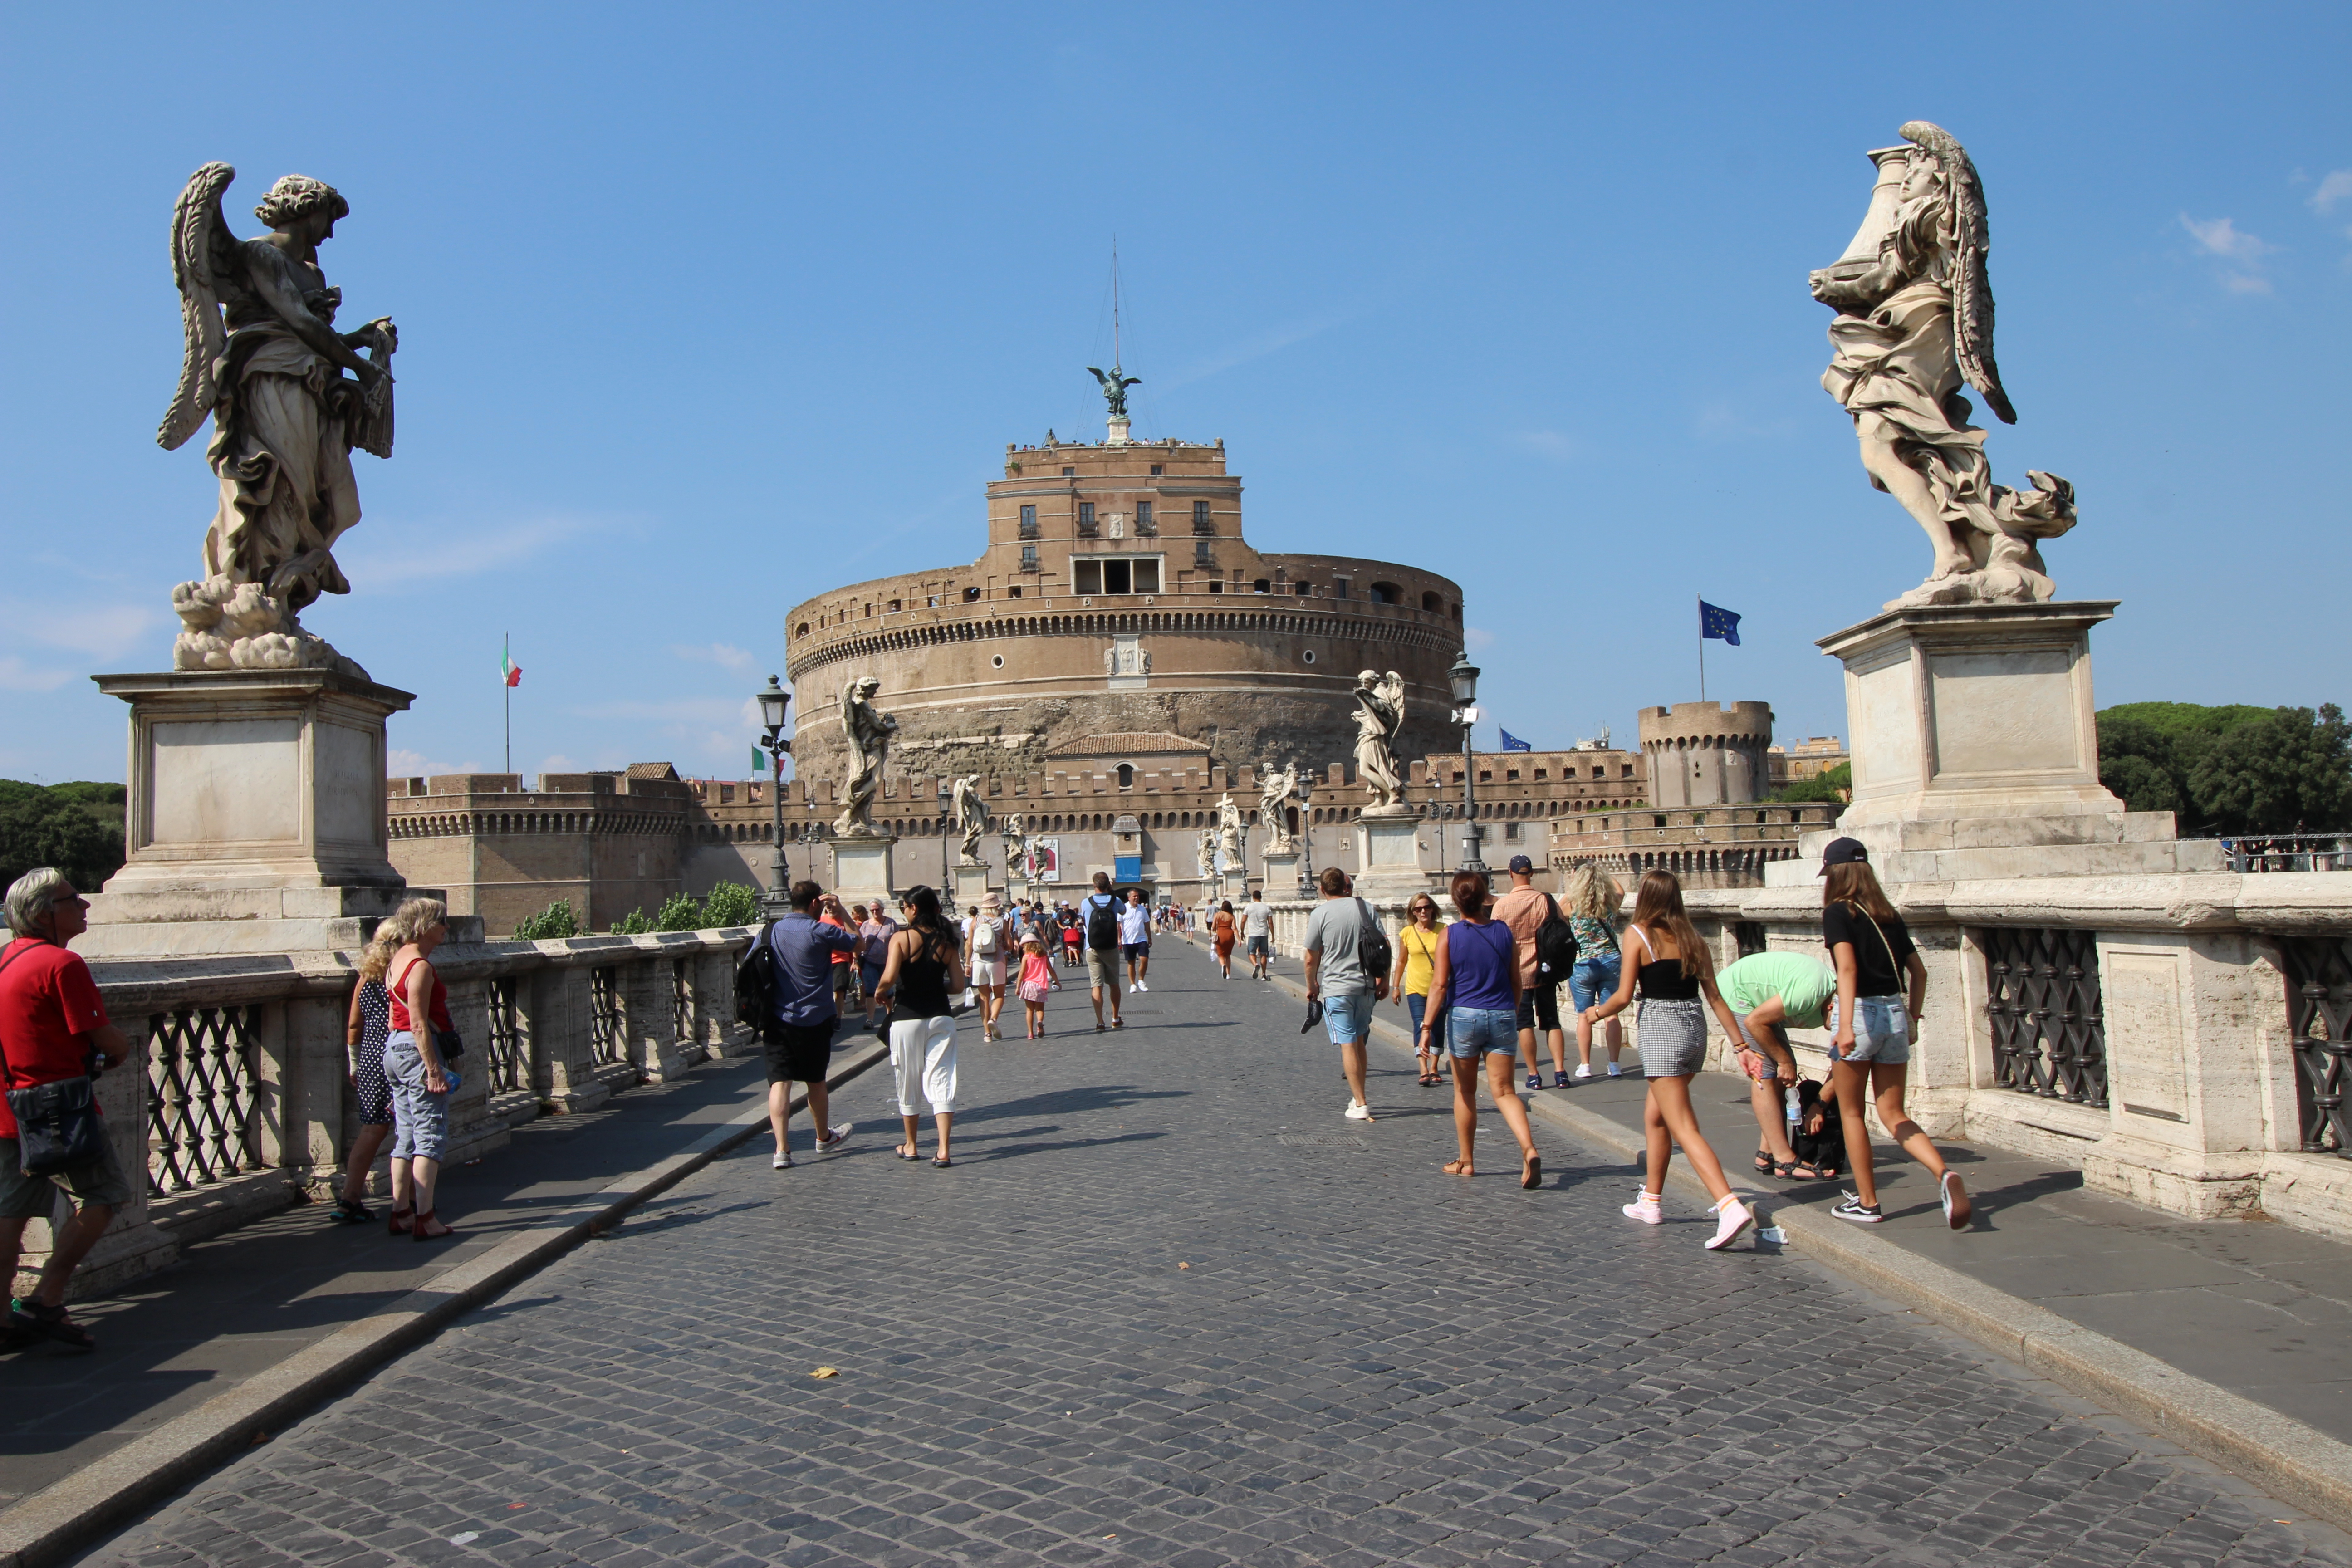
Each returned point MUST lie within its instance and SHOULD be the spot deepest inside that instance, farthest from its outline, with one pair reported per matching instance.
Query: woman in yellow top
(1416, 950)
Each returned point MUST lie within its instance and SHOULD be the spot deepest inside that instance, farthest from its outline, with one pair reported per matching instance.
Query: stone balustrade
(237, 1094)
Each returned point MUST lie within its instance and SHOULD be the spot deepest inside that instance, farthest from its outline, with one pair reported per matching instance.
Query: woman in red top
(411, 1060)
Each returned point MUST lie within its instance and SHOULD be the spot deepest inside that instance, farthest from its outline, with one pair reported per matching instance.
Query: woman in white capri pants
(923, 969)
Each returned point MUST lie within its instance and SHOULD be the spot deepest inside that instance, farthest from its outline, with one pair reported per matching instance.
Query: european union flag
(1513, 744)
(1713, 622)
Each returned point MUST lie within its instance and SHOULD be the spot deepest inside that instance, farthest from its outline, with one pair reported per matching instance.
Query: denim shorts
(1881, 1033)
(1475, 1032)
(1594, 978)
(1347, 1016)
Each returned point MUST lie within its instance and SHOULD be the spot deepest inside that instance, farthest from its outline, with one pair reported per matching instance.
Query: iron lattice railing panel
(2318, 970)
(605, 1033)
(202, 1084)
(510, 1053)
(2049, 1038)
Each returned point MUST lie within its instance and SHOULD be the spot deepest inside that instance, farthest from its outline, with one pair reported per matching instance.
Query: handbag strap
(9, 1079)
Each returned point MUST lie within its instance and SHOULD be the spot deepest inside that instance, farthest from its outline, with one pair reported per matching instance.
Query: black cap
(1521, 863)
(1843, 852)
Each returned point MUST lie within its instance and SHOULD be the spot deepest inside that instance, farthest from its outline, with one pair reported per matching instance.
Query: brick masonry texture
(1134, 1325)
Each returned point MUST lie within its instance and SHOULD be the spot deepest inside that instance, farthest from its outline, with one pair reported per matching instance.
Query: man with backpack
(794, 962)
(1537, 930)
(1346, 971)
(1099, 918)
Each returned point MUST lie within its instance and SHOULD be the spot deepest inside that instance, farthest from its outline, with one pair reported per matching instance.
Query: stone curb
(64, 1517)
(2293, 1462)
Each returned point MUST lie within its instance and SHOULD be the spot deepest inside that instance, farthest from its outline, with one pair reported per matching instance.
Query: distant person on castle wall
(1592, 902)
(1870, 1050)
(365, 1028)
(799, 1036)
(53, 1029)
(1098, 916)
(422, 1080)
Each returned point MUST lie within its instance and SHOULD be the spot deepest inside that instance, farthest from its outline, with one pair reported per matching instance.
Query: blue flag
(1718, 622)
(1513, 744)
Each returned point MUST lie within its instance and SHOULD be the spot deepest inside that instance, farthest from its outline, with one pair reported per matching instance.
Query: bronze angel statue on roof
(1915, 323)
(1115, 384)
(264, 363)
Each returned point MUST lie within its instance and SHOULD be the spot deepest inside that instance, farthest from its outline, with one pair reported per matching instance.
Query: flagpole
(1701, 651)
(506, 649)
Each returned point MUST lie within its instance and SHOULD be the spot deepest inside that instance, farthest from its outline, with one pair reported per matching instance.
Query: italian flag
(509, 672)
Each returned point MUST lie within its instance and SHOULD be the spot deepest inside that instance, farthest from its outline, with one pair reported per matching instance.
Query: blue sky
(704, 309)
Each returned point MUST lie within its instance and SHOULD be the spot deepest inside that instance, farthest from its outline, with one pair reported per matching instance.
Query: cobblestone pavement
(1168, 1307)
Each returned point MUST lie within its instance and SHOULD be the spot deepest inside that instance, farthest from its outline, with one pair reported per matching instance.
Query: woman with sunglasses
(1416, 968)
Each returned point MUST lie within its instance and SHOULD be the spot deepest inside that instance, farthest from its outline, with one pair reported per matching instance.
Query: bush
(680, 913)
(554, 922)
(634, 923)
(76, 828)
(730, 904)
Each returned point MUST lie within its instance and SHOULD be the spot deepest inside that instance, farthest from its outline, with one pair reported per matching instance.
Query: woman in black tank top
(923, 969)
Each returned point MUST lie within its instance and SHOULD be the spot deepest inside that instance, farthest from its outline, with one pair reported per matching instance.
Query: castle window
(1305, 589)
(1457, 610)
(1202, 521)
(1511, 775)
(1156, 470)
(1202, 555)
(1013, 591)
(1144, 526)
(1086, 520)
(1541, 772)
(1263, 585)
(1432, 604)
(1069, 473)
(1486, 775)
(1127, 775)
(1386, 594)
(1029, 520)
(1626, 770)
(970, 595)
(1216, 584)
(1091, 574)
(1511, 831)
(1028, 559)
(894, 606)
(1339, 587)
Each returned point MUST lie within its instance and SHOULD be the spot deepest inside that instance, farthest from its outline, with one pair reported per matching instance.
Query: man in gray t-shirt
(1334, 974)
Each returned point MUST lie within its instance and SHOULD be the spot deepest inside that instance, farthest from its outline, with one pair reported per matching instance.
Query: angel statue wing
(206, 265)
(1971, 285)
(1392, 692)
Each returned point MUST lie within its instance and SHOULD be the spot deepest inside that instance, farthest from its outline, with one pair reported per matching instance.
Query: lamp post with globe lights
(774, 703)
(1463, 677)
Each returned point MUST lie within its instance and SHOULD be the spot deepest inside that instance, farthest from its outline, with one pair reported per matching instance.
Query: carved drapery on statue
(868, 732)
(1204, 853)
(1380, 714)
(1915, 323)
(1016, 850)
(262, 361)
(1229, 829)
(1274, 795)
(972, 817)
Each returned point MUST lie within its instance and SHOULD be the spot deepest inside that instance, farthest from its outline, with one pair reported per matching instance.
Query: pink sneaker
(1645, 1207)
(1731, 1218)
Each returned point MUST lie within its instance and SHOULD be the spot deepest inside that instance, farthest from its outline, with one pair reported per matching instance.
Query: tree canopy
(1835, 786)
(76, 828)
(2231, 770)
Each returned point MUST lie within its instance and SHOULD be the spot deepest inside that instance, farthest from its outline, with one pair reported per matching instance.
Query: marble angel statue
(868, 732)
(1275, 792)
(972, 816)
(1230, 830)
(263, 360)
(1204, 853)
(1380, 714)
(1017, 849)
(1915, 323)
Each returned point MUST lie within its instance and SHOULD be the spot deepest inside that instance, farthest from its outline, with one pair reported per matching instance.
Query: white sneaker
(782, 1162)
(833, 1138)
(1645, 1207)
(1131, 988)
(1139, 985)
(1583, 1071)
(1614, 1071)
(1731, 1218)
(1360, 1111)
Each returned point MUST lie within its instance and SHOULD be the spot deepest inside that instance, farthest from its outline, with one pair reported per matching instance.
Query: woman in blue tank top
(1475, 991)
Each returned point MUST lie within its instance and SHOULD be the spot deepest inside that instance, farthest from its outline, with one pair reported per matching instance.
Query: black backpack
(1556, 946)
(1372, 948)
(755, 982)
(1102, 922)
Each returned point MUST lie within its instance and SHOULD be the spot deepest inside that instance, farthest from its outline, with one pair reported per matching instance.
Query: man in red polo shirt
(52, 1026)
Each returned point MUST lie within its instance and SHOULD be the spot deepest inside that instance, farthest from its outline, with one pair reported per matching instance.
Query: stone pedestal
(1234, 879)
(255, 820)
(861, 868)
(971, 885)
(1388, 858)
(1121, 430)
(1283, 879)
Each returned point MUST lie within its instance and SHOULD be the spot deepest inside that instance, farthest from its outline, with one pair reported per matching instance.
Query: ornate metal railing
(605, 1040)
(2290, 852)
(510, 1053)
(202, 1080)
(2048, 1036)
(2318, 970)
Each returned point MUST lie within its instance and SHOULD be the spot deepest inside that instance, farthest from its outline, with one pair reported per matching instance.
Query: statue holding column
(1915, 323)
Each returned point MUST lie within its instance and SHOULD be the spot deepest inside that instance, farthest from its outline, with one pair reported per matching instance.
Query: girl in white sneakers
(1666, 959)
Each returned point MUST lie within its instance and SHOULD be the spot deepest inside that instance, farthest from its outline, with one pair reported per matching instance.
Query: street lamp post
(1464, 677)
(774, 702)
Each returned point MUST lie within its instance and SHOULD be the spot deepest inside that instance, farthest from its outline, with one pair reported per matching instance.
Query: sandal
(1763, 1164)
(1531, 1174)
(400, 1220)
(351, 1211)
(1806, 1170)
(1786, 1169)
(907, 1152)
(942, 1162)
(430, 1218)
(1457, 1168)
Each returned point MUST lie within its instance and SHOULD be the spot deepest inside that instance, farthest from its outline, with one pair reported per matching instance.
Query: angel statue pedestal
(1388, 851)
(861, 868)
(971, 885)
(1283, 879)
(1235, 882)
(256, 818)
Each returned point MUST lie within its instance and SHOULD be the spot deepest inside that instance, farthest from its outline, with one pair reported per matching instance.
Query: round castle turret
(1703, 753)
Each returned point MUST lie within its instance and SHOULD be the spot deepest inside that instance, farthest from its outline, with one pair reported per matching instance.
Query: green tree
(1835, 786)
(76, 828)
(680, 913)
(634, 923)
(553, 923)
(2232, 769)
(731, 904)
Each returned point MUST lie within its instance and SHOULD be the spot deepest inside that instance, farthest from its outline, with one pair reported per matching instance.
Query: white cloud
(557, 762)
(2222, 236)
(96, 631)
(462, 550)
(2335, 187)
(16, 675)
(723, 654)
(1475, 640)
(401, 763)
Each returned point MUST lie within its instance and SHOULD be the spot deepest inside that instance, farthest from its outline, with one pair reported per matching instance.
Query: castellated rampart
(1116, 594)
(1704, 754)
